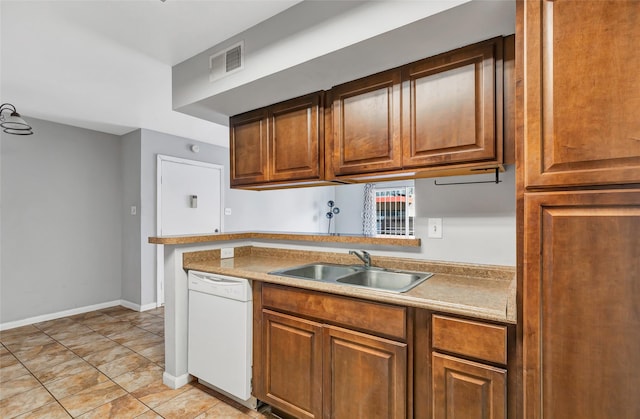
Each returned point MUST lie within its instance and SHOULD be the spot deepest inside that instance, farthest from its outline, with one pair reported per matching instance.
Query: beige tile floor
(103, 364)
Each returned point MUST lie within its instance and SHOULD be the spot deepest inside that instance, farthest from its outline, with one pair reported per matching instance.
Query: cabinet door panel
(248, 148)
(581, 92)
(366, 124)
(580, 304)
(450, 107)
(296, 128)
(365, 376)
(467, 390)
(292, 364)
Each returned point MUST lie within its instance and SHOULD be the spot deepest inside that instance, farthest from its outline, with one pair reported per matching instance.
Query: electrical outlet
(434, 226)
(226, 252)
(227, 211)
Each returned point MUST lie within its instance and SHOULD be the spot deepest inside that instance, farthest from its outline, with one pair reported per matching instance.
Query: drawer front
(381, 319)
(477, 340)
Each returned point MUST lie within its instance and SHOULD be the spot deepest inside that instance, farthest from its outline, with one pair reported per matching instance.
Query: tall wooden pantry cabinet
(579, 198)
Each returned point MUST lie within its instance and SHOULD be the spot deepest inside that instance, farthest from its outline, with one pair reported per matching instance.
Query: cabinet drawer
(381, 319)
(477, 340)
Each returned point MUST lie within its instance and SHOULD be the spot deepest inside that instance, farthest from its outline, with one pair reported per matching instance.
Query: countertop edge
(310, 237)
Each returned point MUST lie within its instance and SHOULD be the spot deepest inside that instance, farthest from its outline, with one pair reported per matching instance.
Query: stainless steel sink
(385, 280)
(359, 276)
(317, 271)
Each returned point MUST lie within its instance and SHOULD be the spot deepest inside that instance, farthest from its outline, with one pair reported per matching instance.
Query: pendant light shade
(12, 122)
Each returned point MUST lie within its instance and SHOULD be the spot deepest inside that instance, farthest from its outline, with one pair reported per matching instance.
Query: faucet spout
(365, 257)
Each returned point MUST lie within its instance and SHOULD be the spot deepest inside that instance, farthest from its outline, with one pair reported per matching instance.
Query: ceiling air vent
(226, 62)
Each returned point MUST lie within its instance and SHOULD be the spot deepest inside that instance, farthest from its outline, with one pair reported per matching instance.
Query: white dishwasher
(220, 338)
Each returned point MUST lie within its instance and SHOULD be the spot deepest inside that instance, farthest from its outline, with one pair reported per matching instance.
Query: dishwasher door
(220, 332)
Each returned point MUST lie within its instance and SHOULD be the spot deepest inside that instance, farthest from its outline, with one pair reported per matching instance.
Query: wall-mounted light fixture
(12, 122)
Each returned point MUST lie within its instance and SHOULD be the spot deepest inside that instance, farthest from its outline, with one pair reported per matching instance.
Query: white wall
(479, 220)
(61, 196)
(286, 210)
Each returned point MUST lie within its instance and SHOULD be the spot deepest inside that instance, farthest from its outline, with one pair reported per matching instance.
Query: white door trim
(160, 248)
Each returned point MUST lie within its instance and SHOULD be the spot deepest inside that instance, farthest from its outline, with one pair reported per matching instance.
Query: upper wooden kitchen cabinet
(441, 113)
(582, 94)
(279, 143)
(450, 105)
(248, 147)
(365, 123)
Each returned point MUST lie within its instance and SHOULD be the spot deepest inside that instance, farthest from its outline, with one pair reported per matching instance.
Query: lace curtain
(369, 227)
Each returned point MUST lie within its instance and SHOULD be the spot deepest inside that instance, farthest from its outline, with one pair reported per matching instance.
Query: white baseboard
(79, 310)
(59, 314)
(175, 382)
(137, 307)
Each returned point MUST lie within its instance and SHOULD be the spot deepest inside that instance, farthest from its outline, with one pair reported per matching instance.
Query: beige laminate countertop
(480, 291)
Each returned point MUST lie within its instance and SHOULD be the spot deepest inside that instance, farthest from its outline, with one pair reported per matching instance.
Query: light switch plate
(226, 252)
(434, 226)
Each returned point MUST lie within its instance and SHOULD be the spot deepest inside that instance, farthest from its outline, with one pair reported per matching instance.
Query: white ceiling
(106, 64)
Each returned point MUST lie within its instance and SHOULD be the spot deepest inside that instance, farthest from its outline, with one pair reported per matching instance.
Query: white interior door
(190, 199)
(189, 202)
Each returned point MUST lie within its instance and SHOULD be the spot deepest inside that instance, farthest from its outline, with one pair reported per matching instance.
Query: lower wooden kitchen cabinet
(321, 355)
(463, 368)
(467, 389)
(472, 388)
(292, 364)
(364, 375)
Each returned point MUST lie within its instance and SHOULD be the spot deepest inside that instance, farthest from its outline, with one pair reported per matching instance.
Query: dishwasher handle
(217, 279)
(220, 285)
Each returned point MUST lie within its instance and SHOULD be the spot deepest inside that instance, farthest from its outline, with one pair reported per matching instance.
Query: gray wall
(283, 210)
(152, 144)
(68, 239)
(131, 190)
(61, 195)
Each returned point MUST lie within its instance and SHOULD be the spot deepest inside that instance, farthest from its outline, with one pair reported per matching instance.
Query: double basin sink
(358, 276)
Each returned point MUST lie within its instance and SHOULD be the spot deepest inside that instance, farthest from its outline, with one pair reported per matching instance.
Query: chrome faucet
(364, 257)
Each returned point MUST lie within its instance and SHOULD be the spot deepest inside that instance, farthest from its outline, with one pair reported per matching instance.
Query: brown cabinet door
(292, 364)
(295, 136)
(582, 94)
(467, 390)
(364, 376)
(248, 147)
(449, 110)
(581, 304)
(366, 125)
